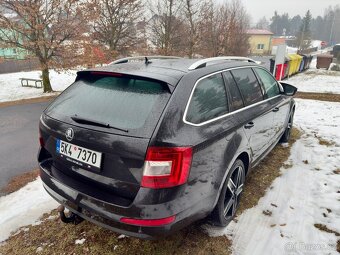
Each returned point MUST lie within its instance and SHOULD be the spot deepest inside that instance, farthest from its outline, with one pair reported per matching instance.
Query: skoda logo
(69, 134)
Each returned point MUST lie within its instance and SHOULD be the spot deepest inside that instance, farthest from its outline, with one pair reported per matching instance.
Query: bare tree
(114, 22)
(167, 27)
(236, 40)
(223, 29)
(209, 30)
(263, 23)
(192, 15)
(45, 28)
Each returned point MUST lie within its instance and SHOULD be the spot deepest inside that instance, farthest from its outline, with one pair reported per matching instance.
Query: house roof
(259, 32)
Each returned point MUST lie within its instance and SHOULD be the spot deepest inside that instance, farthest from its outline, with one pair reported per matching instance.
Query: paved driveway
(19, 139)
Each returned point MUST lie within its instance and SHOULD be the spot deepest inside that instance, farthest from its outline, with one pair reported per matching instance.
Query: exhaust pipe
(72, 218)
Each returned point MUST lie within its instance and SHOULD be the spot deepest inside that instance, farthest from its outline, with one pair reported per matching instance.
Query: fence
(12, 66)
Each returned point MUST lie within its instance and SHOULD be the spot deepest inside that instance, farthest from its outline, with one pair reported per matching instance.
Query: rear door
(279, 103)
(112, 116)
(257, 117)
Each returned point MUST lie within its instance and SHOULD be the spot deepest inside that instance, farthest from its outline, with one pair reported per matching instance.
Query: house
(260, 41)
(10, 52)
(13, 53)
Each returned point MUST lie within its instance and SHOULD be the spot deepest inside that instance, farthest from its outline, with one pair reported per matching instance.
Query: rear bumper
(108, 215)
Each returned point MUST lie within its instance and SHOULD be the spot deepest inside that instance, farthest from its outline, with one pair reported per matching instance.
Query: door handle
(276, 109)
(249, 125)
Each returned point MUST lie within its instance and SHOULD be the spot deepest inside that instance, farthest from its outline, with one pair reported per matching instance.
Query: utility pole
(302, 35)
(331, 33)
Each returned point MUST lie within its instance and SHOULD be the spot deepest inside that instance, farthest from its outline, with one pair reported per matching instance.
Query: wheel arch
(245, 158)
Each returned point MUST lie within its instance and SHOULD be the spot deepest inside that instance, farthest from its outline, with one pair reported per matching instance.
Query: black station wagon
(145, 148)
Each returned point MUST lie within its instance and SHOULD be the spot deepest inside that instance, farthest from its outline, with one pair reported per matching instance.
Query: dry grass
(28, 101)
(319, 96)
(324, 228)
(265, 173)
(326, 142)
(19, 181)
(55, 237)
(58, 238)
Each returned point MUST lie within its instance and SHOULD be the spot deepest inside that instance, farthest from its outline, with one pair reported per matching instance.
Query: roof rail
(203, 62)
(128, 59)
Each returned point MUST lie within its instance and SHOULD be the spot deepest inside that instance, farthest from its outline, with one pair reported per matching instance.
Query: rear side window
(270, 84)
(248, 85)
(235, 95)
(124, 102)
(208, 101)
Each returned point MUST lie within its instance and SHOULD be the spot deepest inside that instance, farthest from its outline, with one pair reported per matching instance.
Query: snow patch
(11, 89)
(80, 241)
(24, 207)
(319, 81)
(305, 194)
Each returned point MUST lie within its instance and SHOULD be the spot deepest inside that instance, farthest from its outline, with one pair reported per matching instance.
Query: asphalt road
(18, 139)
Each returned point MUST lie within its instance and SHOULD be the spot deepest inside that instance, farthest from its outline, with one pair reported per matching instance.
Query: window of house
(260, 46)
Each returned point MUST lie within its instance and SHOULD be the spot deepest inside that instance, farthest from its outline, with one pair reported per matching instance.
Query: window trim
(225, 91)
(228, 91)
(262, 85)
(230, 113)
(258, 82)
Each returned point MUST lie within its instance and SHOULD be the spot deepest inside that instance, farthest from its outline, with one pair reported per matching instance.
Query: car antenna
(147, 61)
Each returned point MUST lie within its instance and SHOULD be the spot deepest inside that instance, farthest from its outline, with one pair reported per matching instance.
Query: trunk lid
(131, 108)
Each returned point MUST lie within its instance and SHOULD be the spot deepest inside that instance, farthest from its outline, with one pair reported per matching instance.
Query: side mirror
(288, 89)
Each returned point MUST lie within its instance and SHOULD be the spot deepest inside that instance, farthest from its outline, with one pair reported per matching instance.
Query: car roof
(166, 70)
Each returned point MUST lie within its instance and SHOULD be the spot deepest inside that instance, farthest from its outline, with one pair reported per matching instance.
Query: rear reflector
(166, 167)
(41, 140)
(149, 223)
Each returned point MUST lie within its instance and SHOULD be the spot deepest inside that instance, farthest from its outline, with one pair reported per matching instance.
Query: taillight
(166, 167)
(148, 222)
(41, 140)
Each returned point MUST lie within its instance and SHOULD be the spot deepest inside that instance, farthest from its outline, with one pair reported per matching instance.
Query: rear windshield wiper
(87, 121)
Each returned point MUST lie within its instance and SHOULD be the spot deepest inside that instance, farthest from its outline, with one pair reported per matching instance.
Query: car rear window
(127, 103)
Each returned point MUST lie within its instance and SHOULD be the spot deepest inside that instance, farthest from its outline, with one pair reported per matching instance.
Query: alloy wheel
(233, 192)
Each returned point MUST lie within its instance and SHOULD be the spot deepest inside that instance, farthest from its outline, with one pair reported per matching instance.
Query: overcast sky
(260, 8)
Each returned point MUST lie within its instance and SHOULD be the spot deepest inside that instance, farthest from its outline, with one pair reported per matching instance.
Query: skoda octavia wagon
(145, 148)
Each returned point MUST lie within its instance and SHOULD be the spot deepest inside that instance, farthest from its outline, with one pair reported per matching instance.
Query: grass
(324, 228)
(319, 96)
(54, 237)
(19, 181)
(265, 173)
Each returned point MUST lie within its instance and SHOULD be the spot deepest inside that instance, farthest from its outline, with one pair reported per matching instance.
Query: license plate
(79, 155)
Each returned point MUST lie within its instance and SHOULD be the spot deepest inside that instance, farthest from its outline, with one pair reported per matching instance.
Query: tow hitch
(71, 218)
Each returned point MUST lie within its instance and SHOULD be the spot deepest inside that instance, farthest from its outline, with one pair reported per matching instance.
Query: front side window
(248, 85)
(208, 101)
(270, 84)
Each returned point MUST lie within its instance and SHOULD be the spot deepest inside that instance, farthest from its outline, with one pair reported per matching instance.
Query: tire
(286, 135)
(228, 201)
